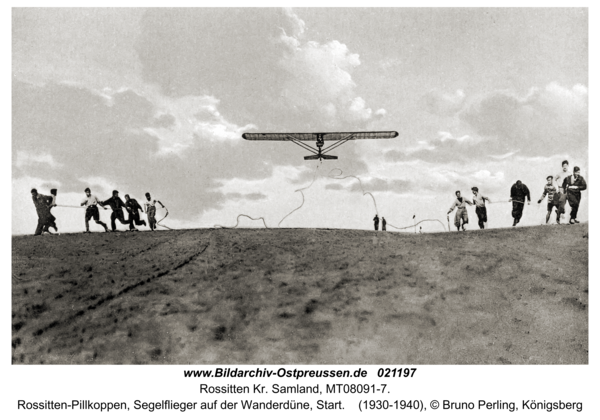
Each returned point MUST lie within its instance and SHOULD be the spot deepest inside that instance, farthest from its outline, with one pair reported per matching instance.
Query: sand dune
(305, 296)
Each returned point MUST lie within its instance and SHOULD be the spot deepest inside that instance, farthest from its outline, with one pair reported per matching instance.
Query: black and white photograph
(300, 186)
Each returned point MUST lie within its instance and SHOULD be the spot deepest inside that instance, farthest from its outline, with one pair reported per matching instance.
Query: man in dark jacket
(383, 223)
(573, 185)
(518, 193)
(376, 220)
(117, 206)
(41, 203)
(133, 207)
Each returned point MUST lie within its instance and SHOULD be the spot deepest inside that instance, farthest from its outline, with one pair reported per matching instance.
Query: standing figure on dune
(518, 193)
(376, 220)
(51, 221)
(383, 224)
(461, 211)
(573, 185)
(151, 210)
(117, 206)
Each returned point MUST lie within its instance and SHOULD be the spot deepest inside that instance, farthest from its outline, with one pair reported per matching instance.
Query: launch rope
(355, 177)
(417, 224)
(238, 222)
(164, 217)
(300, 191)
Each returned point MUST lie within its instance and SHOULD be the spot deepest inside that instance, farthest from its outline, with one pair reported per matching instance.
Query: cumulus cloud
(444, 148)
(544, 120)
(444, 104)
(320, 80)
(25, 158)
(182, 121)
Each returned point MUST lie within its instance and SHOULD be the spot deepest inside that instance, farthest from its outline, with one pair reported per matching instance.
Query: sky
(156, 100)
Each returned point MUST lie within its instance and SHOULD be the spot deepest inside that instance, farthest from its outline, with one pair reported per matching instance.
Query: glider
(320, 138)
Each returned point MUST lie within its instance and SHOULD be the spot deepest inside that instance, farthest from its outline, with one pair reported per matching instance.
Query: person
(91, 210)
(383, 223)
(553, 197)
(151, 210)
(41, 203)
(51, 220)
(134, 216)
(117, 206)
(480, 209)
(518, 193)
(461, 211)
(573, 185)
(562, 195)
(376, 220)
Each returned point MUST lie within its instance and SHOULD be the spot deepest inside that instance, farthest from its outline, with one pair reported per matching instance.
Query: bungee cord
(417, 224)
(300, 191)
(238, 222)
(359, 181)
(165, 216)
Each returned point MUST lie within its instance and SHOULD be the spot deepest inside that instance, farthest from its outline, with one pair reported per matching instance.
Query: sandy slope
(302, 296)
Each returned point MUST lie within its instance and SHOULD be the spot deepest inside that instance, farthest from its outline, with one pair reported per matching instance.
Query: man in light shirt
(550, 190)
(480, 209)
(562, 195)
(91, 210)
(461, 211)
(151, 210)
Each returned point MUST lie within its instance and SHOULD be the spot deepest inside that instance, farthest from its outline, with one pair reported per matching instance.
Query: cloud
(544, 121)
(445, 148)
(319, 83)
(444, 104)
(398, 186)
(25, 158)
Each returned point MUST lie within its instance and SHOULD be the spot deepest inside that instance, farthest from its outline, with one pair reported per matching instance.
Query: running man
(41, 203)
(461, 211)
(480, 209)
(553, 197)
(562, 194)
(573, 185)
(383, 223)
(134, 216)
(117, 206)
(376, 220)
(151, 210)
(51, 221)
(91, 204)
(518, 193)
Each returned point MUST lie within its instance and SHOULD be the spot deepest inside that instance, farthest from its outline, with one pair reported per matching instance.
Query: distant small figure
(573, 185)
(117, 206)
(151, 210)
(480, 209)
(553, 198)
(40, 202)
(518, 193)
(134, 208)
(420, 229)
(376, 220)
(461, 211)
(383, 223)
(91, 204)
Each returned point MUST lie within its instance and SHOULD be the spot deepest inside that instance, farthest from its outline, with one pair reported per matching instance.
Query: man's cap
(456, 192)
(126, 195)
(87, 190)
(474, 189)
(147, 193)
(576, 169)
(53, 191)
(549, 177)
(565, 161)
(115, 192)
(33, 190)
